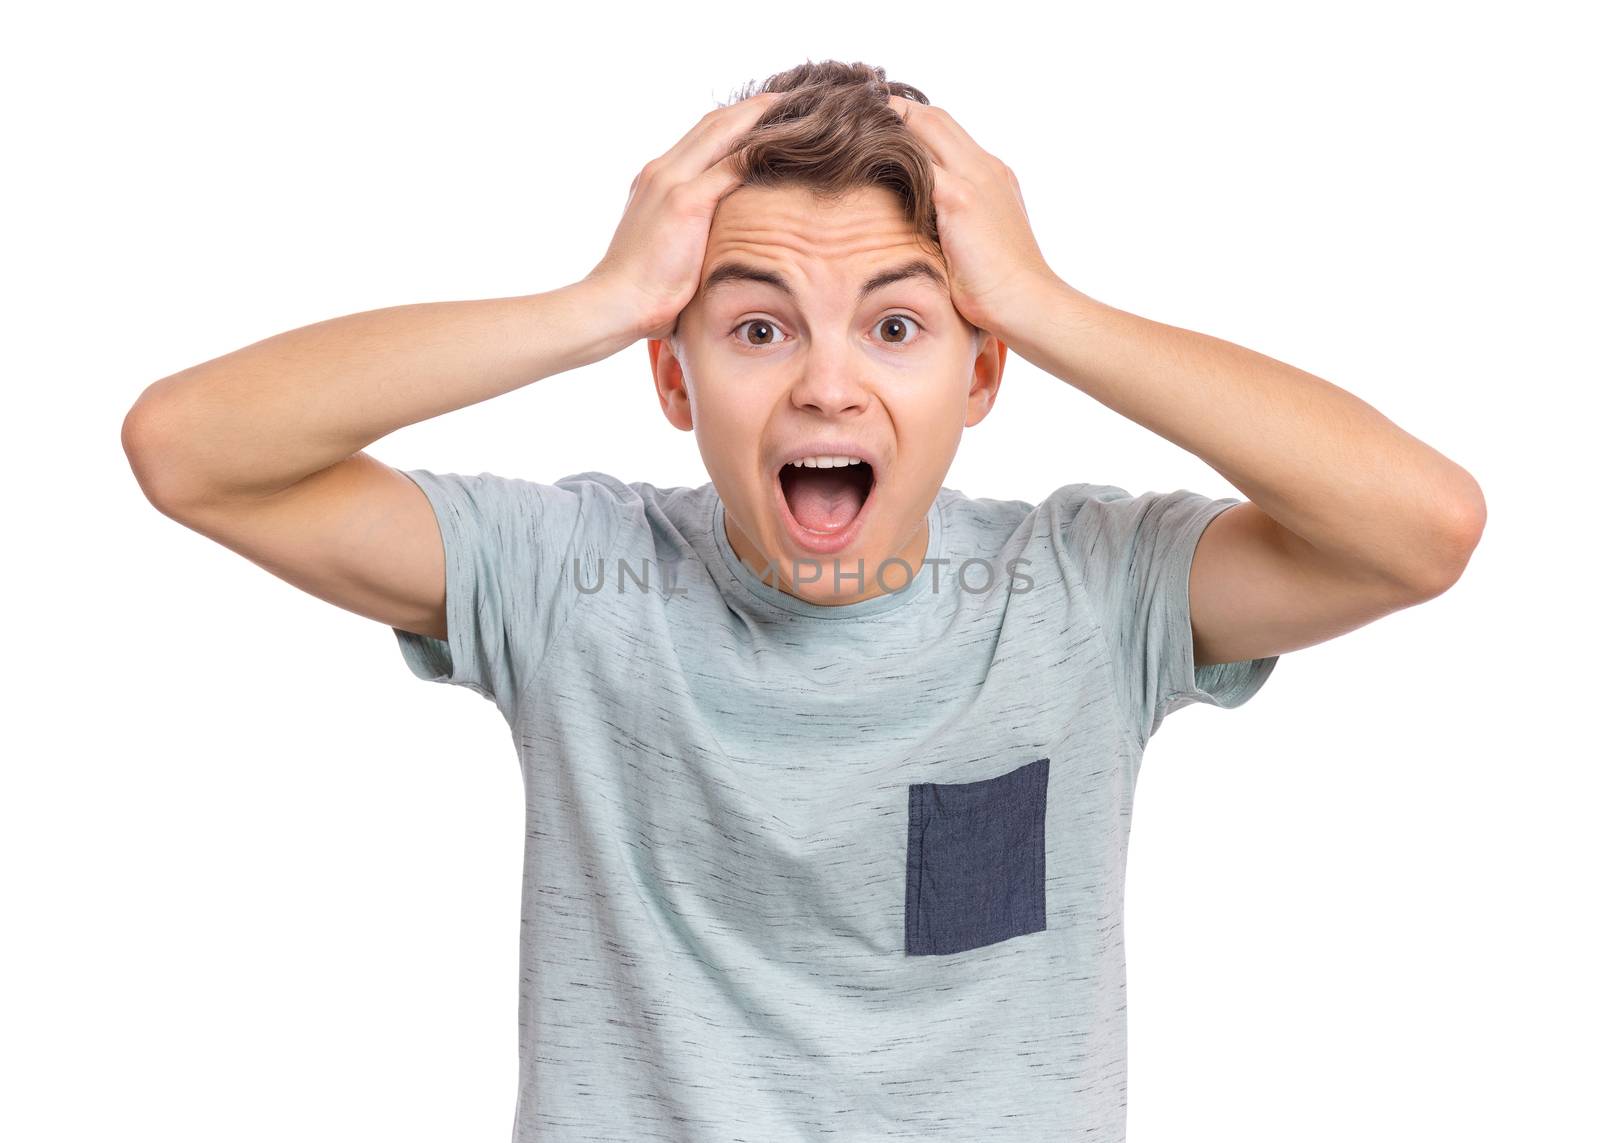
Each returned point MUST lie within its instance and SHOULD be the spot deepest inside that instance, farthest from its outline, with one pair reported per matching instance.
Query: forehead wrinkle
(777, 243)
(916, 269)
(786, 239)
(785, 231)
(789, 214)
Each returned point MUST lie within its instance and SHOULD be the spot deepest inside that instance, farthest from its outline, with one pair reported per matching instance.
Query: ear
(987, 368)
(671, 384)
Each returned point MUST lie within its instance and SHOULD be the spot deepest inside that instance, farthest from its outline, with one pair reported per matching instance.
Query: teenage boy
(829, 768)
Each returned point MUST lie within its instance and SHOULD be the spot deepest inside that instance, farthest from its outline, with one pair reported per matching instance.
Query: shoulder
(612, 488)
(1085, 513)
(636, 516)
(639, 500)
(1055, 514)
(1082, 501)
(588, 509)
(991, 517)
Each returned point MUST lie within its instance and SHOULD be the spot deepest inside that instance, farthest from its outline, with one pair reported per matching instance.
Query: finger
(942, 181)
(929, 131)
(942, 120)
(717, 181)
(1016, 186)
(945, 138)
(708, 140)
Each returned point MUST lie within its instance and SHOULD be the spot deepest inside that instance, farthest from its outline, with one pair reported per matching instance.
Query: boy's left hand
(993, 258)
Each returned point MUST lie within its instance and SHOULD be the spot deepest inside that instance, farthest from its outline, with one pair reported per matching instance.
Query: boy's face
(761, 376)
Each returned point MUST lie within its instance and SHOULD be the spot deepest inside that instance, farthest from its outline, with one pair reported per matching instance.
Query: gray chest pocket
(975, 860)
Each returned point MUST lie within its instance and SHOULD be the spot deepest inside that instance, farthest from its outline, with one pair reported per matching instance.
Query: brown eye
(762, 339)
(895, 326)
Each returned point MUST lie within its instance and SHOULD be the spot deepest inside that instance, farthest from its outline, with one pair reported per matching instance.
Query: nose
(829, 387)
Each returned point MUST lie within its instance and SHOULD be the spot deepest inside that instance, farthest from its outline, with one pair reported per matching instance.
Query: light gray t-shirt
(798, 872)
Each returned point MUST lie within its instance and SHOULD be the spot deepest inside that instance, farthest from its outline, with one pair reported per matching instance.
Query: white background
(260, 883)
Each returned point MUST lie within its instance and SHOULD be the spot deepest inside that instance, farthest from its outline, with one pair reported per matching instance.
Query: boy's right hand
(654, 261)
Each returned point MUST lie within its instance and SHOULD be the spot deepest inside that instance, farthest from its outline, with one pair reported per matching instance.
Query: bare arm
(257, 420)
(260, 449)
(1349, 517)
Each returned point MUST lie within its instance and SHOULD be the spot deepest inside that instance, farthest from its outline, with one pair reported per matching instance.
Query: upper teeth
(825, 461)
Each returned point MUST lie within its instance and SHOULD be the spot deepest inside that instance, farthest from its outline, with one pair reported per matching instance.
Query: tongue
(825, 499)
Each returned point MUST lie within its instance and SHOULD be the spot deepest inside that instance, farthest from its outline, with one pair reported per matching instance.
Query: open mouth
(826, 500)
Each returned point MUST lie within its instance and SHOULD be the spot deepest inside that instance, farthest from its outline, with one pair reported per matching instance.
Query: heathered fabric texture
(797, 872)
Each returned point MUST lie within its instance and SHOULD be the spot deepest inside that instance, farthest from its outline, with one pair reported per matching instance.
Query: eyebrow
(743, 272)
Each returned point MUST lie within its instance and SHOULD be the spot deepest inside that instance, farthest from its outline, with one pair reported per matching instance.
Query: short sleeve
(509, 546)
(1134, 554)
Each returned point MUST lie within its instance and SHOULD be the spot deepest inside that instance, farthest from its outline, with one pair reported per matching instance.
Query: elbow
(146, 442)
(1459, 529)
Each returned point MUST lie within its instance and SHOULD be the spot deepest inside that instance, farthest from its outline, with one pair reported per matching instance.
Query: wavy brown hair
(834, 132)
